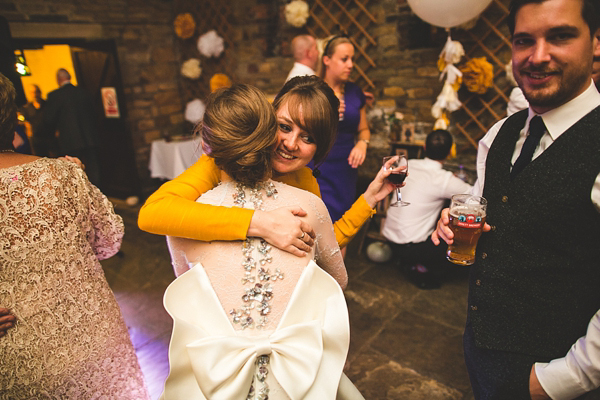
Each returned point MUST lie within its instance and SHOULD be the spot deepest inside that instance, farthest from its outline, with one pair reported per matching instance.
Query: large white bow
(224, 365)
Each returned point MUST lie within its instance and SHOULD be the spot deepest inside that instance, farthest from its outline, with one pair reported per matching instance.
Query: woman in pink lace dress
(69, 340)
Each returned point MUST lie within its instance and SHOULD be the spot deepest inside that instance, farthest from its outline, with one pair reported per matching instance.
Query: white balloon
(448, 13)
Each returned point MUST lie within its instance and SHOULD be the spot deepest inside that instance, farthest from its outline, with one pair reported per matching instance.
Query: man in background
(69, 110)
(306, 55)
(44, 143)
(428, 187)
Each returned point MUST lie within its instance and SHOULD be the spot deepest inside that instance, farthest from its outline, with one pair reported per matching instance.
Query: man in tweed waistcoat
(533, 325)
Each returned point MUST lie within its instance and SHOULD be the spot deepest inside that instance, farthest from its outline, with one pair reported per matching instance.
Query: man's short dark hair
(438, 144)
(589, 12)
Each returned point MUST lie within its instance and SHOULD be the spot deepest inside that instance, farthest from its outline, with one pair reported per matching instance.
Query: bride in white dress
(252, 321)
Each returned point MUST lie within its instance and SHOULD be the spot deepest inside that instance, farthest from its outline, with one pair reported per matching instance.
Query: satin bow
(224, 365)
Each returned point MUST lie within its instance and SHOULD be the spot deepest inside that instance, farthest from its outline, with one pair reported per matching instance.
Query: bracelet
(365, 140)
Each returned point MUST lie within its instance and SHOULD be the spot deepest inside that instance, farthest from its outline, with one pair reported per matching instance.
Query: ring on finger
(302, 237)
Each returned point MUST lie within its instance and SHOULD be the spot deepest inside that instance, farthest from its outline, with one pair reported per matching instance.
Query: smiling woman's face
(295, 147)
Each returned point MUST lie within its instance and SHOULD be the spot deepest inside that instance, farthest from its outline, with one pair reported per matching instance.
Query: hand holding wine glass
(398, 164)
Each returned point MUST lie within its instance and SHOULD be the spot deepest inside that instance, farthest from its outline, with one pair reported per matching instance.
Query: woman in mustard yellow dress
(173, 210)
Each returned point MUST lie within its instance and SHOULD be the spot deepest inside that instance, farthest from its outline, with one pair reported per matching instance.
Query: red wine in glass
(399, 166)
(397, 178)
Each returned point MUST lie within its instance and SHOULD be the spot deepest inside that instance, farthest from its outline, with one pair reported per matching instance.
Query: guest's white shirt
(299, 70)
(579, 371)
(428, 186)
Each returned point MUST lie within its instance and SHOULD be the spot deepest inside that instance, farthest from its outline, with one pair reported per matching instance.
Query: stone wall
(406, 77)
(150, 55)
(147, 55)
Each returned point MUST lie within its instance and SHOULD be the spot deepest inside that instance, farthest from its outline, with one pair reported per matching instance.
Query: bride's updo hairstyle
(313, 106)
(240, 130)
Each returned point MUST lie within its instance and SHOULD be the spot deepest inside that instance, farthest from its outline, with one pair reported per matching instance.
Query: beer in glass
(467, 216)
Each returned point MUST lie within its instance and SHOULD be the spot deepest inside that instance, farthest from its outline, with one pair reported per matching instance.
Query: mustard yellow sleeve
(301, 179)
(352, 220)
(172, 209)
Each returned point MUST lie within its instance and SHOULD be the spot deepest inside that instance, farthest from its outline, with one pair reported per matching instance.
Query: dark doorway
(96, 67)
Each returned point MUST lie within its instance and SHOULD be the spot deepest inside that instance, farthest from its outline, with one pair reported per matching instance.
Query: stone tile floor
(406, 343)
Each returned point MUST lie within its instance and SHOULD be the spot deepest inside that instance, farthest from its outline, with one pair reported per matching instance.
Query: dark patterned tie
(536, 131)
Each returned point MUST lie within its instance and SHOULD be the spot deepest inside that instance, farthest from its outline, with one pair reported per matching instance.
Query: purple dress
(338, 179)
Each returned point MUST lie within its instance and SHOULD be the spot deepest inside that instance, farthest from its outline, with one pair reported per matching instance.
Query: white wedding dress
(241, 332)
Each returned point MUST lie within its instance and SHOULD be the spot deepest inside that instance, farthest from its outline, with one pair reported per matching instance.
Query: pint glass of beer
(467, 216)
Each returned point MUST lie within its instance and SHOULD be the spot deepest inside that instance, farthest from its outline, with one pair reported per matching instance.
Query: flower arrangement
(211, 44)
(478, 75)
(191, 68)
(296, 13)
(194, 111)
(184, 25)
(219, 81)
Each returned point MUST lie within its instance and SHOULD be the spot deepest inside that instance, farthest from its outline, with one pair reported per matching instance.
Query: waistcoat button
(505, 199)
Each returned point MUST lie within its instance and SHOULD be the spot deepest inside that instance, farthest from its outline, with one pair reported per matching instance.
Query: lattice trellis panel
(354, 18)
(221, 14)
(489, 38)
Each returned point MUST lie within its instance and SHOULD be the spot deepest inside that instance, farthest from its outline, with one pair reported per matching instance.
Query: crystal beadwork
(259, 295)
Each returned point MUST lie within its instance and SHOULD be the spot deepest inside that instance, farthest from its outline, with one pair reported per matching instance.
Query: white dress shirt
(579, 371)
(428, 186)
(299, 70)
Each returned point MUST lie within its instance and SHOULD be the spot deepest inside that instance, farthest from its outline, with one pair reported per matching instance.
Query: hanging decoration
(211, 44)
(509, 73)
(184, 25)
(448, 101)
(478, 75)
(296, 13)
(448, 13)
(516, 100)
(191, 68)
(219, 81)
(194, 111)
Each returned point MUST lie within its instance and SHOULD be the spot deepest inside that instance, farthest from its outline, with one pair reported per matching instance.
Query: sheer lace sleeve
(327, 250)
(106, 229)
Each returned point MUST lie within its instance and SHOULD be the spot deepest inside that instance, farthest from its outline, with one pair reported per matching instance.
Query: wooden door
(96, 68)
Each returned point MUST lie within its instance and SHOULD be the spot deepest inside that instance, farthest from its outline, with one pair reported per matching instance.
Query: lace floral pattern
(70, 340)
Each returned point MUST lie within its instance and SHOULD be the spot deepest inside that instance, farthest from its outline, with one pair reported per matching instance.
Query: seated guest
(428, 187)
(66, 338)
(251, 319)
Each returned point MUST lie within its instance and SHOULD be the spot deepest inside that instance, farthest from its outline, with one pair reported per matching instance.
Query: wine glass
(399, 167)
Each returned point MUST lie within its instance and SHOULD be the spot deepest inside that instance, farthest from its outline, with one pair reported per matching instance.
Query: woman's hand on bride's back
(283, 229)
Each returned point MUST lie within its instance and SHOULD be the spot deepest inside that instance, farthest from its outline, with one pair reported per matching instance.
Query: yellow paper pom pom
(184, 25)
(457, 83)
(441, 64)
(218, 81)
(478, 75)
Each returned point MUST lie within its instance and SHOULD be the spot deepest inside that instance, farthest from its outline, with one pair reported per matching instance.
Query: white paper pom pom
(296, 13)
(210, 44)
(194, 111)
(191, 68)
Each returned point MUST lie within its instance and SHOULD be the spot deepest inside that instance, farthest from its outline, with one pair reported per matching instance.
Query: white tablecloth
(169, 159)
